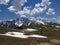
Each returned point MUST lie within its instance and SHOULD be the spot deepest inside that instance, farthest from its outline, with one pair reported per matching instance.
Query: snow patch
(21, 35)
(57, 26)
(40, 22)
(30, 30)
(15, 34)
(19, 23)
(37, 36)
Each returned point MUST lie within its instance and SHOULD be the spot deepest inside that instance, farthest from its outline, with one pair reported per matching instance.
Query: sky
(45, 9)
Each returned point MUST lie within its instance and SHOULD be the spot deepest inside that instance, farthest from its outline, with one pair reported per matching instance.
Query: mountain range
(23, 22)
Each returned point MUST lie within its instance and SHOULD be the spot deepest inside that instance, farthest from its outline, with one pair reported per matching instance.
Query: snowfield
(37, 36)
(21, 35)
(30, 30)
(15, 34)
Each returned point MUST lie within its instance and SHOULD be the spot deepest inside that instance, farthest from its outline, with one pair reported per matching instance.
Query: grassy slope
(48, 31)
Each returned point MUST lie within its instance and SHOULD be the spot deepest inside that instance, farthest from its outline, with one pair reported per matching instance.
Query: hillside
(51, 32)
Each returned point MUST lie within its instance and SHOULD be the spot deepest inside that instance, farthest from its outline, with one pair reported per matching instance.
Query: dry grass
(53, 37)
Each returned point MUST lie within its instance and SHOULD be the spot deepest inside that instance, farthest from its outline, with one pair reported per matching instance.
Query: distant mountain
(18, 24)
(21, 22)
(8, 23)
(53, 23)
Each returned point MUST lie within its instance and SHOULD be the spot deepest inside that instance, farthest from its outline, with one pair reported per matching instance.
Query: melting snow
(30, 30)
(38, 36)
(57, 26)
(15, 34)
(21, 35)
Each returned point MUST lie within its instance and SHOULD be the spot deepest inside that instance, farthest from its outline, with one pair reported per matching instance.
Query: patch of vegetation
(3, 30)
(4, 40)
(47, 30)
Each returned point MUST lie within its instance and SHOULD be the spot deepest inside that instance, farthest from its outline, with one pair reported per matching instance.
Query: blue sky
(12, 9)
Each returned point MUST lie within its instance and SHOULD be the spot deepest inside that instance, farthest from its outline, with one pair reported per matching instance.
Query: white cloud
(18, 3)
(12, 8)
(30, 12)
(50, 11)
(32, 18)
(55, 20)
(41, 18)
(4, 2)
(39, 7)
(24, 11)
(23, 16)
(58, 20)
(45, 2)
(37, 10)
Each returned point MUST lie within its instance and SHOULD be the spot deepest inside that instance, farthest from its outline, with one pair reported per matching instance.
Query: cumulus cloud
(31, 12)
(58, 20)
(12, 8)
(24, 11)
(32, 18)
(55, 20)
(23, 16)
(18, 3)
(41, 18)
(45, 2)
(38, 10)
(39, 7)
(5, 2)
(50, 11)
